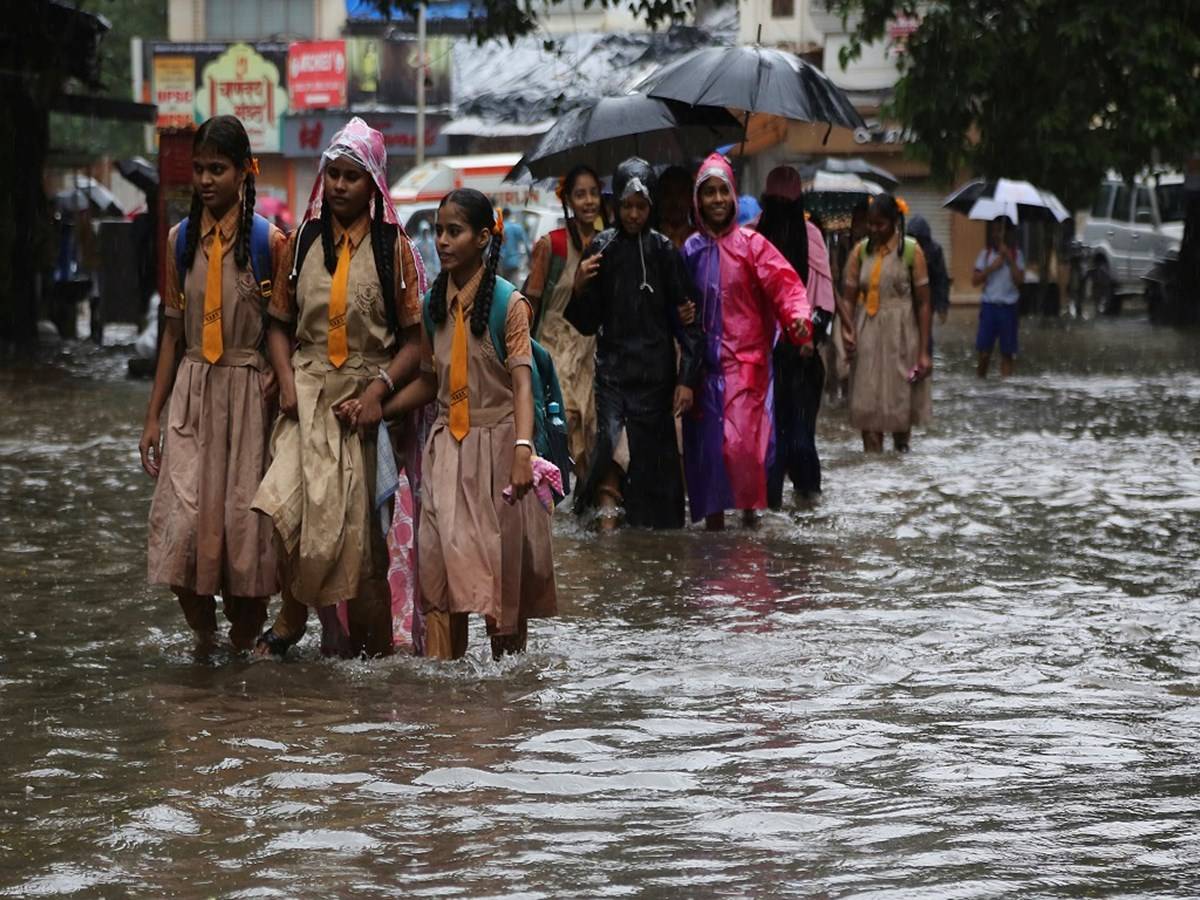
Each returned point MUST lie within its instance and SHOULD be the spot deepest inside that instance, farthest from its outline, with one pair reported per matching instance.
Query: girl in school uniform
(204, 537)
(479, 552)
(350, 308)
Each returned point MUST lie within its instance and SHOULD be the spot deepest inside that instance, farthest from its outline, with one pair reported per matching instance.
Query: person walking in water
(204, 537)
(1000, 269)
(799, 373)
(551, 279)
(484, 536)
(885, 317)
(344, 331)
(745, 288)
(630, 290)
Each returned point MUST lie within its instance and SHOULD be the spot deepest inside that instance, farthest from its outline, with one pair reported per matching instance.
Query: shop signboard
(175, 91)
(384, 71)
(317, 75)
(309, 135)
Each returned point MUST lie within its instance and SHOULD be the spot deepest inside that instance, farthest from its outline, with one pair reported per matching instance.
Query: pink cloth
(362, 144)
(402, 563)
(547, 481)
(747, 288)
(819, 286)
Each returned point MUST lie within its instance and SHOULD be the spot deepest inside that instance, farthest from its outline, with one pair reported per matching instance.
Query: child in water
(351, 305)
(204, 537)
(478, 551)
(630, 290)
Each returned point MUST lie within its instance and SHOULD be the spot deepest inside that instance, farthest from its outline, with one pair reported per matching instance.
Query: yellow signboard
(240, 82)
(175, 91)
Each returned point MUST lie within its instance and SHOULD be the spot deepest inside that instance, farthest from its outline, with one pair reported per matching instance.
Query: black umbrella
(138, 172)
(608, 131)
(87, 193)
(754, 80)
(854, 166)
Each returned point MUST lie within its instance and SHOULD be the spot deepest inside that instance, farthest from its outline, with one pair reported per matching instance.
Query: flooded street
(968, 672)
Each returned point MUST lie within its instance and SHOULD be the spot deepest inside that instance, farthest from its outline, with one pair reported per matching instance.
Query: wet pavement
(967, 672)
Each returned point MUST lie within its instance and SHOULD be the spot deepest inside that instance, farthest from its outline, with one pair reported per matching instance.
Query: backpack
(260, 253)
(558, 261)
(549, 427)
(910, 258)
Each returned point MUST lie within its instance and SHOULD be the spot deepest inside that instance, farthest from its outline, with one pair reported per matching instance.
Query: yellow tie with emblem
(460, 407)
(339, 348)
(212, 344)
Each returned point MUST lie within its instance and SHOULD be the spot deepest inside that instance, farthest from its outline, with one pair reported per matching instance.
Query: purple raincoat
(747, 289)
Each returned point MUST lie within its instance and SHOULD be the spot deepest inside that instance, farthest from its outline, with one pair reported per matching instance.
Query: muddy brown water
(968, 672)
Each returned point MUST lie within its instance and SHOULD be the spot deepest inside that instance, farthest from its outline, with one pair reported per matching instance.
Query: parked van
(1129, 228)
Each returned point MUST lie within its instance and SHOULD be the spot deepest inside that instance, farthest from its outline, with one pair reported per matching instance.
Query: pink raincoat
(746, 289)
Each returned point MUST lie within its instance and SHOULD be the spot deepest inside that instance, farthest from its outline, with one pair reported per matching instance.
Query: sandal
(274, 644)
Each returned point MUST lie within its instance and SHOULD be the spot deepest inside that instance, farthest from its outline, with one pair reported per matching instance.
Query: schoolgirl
(479, 551)
(204, 537)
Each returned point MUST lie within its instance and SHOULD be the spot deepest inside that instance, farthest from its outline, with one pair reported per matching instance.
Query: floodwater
(968, 672)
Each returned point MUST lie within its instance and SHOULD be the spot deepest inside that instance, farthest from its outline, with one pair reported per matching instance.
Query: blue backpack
(260, 254)
(549, 428)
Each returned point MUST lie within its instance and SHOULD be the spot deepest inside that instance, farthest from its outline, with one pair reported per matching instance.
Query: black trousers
(799, 381)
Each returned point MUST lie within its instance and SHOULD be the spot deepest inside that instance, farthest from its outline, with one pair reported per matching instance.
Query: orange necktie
(212, 345)
(873, 286)
(339, 349)
(460, 407)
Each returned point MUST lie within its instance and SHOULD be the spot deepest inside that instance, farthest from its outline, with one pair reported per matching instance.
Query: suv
(1129, 228)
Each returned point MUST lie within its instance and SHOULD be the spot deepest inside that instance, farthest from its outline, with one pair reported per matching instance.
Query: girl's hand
(683, 399)
(345, 411)
(924, 366)
(588, 269)
(287, 398)
(800, 332)
(687, 312)
(521, 477)
(368, 414)
(270, 385)
(150, 447)
(848, 340)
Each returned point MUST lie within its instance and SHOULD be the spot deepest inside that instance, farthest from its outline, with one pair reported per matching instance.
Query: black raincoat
(632, 305)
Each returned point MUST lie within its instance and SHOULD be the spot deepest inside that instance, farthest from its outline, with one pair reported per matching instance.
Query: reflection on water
(967, 672)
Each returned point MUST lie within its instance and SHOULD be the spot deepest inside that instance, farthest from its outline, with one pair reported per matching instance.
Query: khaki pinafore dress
(477, 552)
(319, 490)
(888, 345)
(204, 536)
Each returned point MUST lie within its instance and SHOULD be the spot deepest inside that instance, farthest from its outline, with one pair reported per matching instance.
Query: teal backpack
(549, 427)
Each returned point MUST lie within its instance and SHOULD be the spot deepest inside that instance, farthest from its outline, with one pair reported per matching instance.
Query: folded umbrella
(608, 131)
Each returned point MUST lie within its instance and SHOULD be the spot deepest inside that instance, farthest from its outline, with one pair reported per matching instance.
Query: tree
(1052, 91)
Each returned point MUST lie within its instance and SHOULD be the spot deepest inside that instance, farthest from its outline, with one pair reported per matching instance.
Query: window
(259, 20)
(783, 9)
(1120, 212)
(1171, 202)
(1103, 203)
(1143, 210)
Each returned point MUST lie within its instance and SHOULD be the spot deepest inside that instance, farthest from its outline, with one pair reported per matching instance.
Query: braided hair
(568, 186)
(479, 214)
(885, 205)
(385, 262)
(327, 238)
(224, 135)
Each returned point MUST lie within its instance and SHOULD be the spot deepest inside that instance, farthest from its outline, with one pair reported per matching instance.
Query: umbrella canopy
(608, 131)
(1019, 201)
(831, 198)
(87, 193)
(857, 166)
(754, 80)
(832, 183)
(140, 173)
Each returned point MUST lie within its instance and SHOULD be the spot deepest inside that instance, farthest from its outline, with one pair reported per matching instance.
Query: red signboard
(317, 75)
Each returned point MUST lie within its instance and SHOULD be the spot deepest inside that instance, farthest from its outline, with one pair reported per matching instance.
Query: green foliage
(1053, 91)
(84, 137)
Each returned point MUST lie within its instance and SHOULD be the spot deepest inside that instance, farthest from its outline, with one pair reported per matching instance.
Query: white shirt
(999, 286)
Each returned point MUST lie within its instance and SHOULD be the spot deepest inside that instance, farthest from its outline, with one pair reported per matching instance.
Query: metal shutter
(925, 199)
